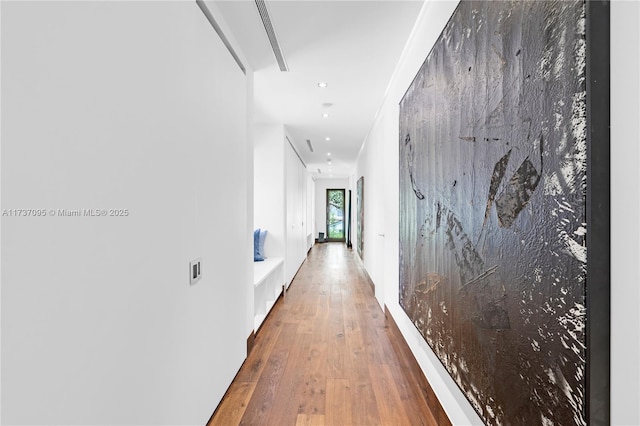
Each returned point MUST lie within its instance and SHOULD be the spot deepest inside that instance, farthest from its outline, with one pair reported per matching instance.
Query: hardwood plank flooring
(327, 355)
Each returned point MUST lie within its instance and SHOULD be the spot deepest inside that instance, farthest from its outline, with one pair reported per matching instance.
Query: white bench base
(268, 283)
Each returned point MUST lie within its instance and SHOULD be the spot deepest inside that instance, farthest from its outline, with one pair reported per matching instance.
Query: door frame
(344, 225)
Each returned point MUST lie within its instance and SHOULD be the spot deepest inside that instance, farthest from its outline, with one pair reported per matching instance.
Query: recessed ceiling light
(325, 115)
(322, 84)
(328, 153)
(327, 138)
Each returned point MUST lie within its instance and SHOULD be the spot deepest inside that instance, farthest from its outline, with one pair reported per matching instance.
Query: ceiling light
(322, 84)
(327, 139)
(325, 115)
(328, 153)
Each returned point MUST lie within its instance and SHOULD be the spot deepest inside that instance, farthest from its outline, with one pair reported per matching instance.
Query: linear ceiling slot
(295, 151)
(271, 34)
(309, 145)
(225, 40)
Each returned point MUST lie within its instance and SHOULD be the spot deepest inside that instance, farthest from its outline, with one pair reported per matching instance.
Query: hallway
(326, 355)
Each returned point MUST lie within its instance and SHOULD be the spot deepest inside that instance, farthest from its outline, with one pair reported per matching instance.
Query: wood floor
(326, 355)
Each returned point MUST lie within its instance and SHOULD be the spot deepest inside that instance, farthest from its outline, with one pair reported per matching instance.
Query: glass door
(335, 215)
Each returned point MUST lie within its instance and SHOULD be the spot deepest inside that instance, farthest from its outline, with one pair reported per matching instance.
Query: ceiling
(353, 46)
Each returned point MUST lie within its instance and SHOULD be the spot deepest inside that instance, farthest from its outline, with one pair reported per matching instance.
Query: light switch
(195, 270)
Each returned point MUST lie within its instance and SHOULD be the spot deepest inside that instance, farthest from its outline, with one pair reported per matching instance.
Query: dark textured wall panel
(493, 157)
(360, 216)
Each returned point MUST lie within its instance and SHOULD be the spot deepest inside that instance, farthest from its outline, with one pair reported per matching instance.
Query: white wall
(321, 186)
(280, 186)
(134, 106)
(625, 213)
(296, 190)
(269, 183)
(379, 212)
(378, 162)
(311, 213)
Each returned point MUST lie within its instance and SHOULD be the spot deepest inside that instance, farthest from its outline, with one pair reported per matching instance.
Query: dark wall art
(494, 147)
(360, 215)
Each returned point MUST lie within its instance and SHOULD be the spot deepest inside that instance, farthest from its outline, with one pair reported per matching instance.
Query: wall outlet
(195, 270)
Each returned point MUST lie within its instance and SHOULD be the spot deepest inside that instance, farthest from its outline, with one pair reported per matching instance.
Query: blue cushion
(256, 245)
(263, 236)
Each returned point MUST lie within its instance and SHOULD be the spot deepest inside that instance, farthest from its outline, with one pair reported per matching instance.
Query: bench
(268, 282)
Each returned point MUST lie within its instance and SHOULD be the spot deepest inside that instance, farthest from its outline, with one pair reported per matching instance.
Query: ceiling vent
(319, 171)
(309, 145)
(271, 34)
